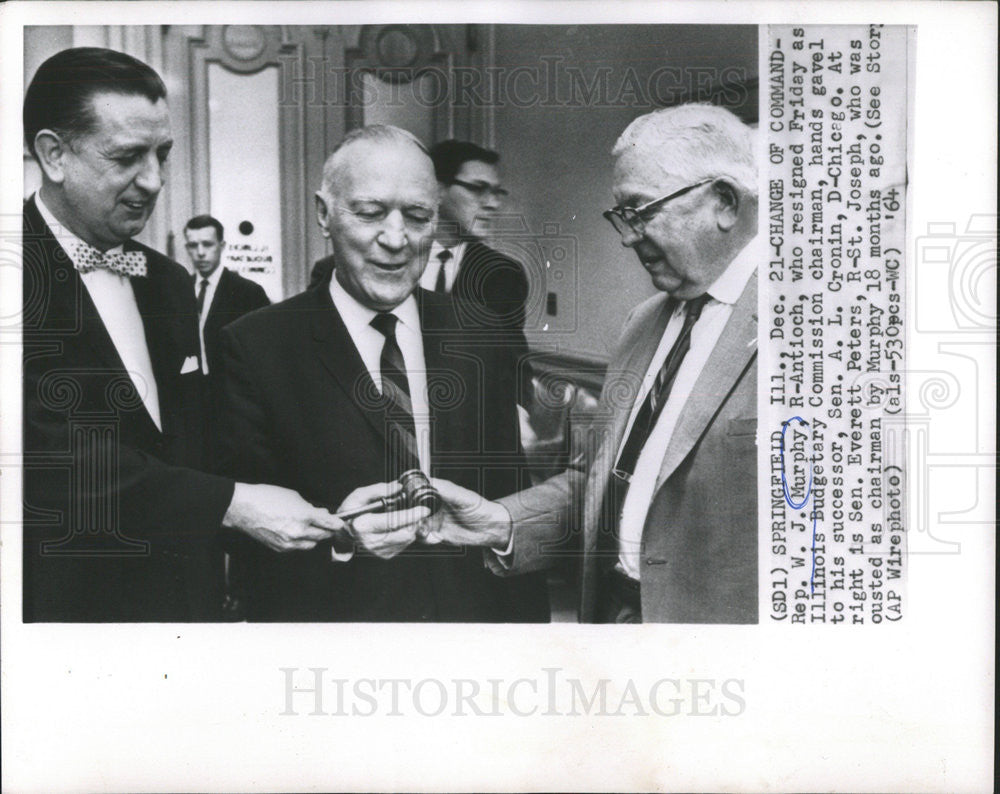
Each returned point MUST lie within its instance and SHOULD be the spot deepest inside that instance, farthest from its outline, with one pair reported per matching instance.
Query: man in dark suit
(358, 379)
(221, 295)
(493, 286)
(661, 504)
(119, 522)
(461, 264)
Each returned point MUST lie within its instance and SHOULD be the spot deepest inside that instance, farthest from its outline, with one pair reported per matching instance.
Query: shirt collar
(69, 241)
(357, 317)
(213, 280)
(730, 284)
(457, 252)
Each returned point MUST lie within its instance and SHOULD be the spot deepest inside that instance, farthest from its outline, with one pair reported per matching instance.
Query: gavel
(415, 491)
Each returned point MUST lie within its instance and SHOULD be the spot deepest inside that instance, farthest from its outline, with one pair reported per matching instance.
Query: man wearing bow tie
(120, 523)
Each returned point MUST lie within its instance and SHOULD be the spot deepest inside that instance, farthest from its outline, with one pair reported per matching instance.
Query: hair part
(203, 222)
(374, 133)
(59, 96)
(695, 141)
(449, 157)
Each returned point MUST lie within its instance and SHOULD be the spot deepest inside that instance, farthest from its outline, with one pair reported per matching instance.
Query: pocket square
(190, 365)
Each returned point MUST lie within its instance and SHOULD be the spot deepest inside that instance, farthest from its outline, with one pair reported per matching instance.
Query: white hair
(695, 141)
(375, 133)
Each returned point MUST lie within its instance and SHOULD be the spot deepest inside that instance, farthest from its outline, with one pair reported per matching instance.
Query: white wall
(556, 155)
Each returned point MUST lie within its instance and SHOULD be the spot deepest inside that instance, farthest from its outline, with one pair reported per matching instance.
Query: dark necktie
(401, 432)
(645, 421)
(201, 295)
(442, 279)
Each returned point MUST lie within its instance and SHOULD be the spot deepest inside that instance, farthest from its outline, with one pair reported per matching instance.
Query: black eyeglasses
(633, 219)
(481, 189)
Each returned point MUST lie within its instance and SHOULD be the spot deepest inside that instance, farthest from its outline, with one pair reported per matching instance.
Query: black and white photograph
(224, 471)
(497, 397)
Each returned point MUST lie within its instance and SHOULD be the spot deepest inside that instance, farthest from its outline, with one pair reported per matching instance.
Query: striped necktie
(645, 421)
(401, 432)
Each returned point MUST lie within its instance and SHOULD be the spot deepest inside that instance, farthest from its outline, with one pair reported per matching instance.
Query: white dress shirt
(369, 344)
(724, 292)
(213, 285)
(115, 302)
(429, 279)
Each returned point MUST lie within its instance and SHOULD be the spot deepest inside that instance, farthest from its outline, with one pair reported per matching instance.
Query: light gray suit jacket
(699, 543)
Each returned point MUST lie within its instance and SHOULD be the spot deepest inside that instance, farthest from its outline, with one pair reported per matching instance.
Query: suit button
(655, 561)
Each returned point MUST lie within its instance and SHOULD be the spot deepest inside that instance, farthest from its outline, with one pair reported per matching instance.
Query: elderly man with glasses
(661, 503)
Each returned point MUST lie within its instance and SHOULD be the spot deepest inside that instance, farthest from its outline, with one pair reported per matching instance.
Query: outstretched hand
(468, 519)
(383, 534)
(279, 518)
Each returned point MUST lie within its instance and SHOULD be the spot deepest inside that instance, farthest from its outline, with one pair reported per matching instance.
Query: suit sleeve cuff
(338, 556)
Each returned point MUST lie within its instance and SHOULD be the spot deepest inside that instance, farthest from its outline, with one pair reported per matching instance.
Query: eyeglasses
(633, 219)
(481, 189)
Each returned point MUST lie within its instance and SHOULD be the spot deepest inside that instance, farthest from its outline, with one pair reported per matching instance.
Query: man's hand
(279, 518)
(383, 534)
(467, 519)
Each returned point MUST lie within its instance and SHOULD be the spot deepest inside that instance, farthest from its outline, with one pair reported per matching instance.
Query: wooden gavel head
(417, 491)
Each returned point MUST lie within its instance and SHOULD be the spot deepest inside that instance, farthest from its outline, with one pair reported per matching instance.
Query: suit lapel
(735, 349)
(335, 349)
(467, 283)
(634, 367)
(447, 370)
(464, 270)
(67, 297)
(220, 299)
(159, 321)
(163, 323)
(623, 379)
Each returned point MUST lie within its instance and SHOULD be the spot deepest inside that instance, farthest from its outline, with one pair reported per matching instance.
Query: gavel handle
(380, 505)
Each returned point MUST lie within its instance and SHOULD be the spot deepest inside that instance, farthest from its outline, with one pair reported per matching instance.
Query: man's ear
(50, 150)
(322, 214)
(727, 204)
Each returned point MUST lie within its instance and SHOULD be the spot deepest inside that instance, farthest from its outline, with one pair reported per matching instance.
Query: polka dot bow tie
(86, 258)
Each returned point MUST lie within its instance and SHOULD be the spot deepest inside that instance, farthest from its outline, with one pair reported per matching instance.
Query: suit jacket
(494, 290)
(234, 297)
(297, 415)
(699, 542)
(496, 282)
(118, 525)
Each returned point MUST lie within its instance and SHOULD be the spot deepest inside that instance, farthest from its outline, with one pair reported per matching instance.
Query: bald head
(693, 142)
(378, 205)
(370, 139)
(689, 177)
